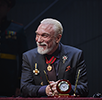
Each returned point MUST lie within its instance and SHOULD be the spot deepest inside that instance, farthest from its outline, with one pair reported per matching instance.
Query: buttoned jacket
(30, 83)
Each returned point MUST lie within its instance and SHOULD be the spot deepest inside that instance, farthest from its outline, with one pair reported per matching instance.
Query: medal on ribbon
(52, 60)
(36, 71)
(10, 34)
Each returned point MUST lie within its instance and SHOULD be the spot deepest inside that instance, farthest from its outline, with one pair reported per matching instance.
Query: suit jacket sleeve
(82, 86)
(27, 81)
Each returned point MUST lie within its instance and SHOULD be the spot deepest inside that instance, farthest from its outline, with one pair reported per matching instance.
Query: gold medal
(51, 61)
(49, 68)
(36, 71)
(9, 36)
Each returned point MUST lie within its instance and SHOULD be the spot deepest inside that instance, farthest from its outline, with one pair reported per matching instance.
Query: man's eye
(45, 35)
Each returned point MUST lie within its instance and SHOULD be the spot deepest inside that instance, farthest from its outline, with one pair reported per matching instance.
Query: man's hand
(51, 89)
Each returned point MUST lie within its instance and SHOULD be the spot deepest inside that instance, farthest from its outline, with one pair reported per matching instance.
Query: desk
(79, 98)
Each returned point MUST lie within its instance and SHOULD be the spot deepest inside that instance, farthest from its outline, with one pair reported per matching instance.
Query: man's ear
(58, 38)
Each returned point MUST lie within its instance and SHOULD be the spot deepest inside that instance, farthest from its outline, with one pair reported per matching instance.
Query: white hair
(57, 25)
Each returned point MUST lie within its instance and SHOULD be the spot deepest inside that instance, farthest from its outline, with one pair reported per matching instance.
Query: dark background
(82, 22)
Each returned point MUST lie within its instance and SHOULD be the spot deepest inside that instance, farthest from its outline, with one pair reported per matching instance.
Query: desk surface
(64, 98)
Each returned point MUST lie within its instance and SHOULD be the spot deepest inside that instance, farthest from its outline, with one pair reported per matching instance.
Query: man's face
(45, 39)
(3, 8)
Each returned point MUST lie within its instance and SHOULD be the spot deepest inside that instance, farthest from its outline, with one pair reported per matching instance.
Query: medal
(36, 71)
(64, 58)
(49, 68)
(52, 60)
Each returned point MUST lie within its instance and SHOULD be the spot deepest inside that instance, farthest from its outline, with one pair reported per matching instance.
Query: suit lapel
(41, 66)
(62, 66)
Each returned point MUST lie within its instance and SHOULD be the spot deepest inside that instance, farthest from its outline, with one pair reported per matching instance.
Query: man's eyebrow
(42, 34)
(45, 33)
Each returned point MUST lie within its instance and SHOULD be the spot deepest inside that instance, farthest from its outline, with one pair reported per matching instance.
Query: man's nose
(39, 39)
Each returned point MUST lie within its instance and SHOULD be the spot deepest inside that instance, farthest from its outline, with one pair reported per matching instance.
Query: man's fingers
(54, 88)
(53, 83)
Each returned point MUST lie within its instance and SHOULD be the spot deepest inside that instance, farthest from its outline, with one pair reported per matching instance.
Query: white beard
(41, 50)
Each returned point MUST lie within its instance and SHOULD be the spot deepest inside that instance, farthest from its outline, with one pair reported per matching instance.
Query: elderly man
(44, 66)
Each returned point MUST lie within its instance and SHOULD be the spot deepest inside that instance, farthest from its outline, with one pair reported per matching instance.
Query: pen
(49, 82)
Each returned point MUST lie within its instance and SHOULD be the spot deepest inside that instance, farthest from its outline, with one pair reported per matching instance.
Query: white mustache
(43, 43)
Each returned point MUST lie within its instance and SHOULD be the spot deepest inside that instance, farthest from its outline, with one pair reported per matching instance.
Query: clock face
(63, 86)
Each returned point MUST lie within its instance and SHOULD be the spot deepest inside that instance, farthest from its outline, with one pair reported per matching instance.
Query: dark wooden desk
(79, 98)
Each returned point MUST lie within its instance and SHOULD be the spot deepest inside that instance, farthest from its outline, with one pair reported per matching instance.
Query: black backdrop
(82, 22)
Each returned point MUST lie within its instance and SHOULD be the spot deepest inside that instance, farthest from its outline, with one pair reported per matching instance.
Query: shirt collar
(55, 54)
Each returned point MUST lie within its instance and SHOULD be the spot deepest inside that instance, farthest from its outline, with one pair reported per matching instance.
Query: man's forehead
(48, 27)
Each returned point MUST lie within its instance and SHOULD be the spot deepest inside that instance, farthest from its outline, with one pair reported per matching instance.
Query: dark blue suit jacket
(30, 83)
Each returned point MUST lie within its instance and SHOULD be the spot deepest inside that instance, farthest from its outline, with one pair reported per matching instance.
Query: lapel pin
(36, 71)
(64, 58)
